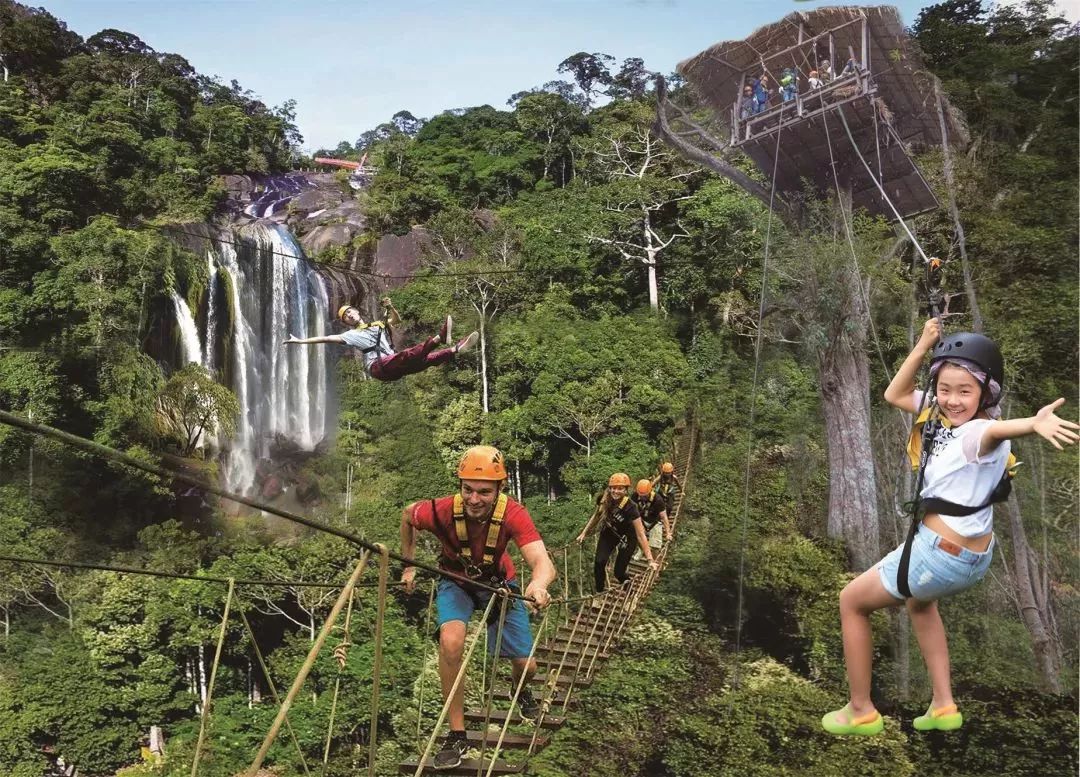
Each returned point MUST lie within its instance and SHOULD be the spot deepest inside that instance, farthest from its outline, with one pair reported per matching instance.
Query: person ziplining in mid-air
(372, 339)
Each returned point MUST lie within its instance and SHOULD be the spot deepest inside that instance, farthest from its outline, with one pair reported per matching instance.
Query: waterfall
(211, 315)
(240, 467)
(189, 333)
(282, 391)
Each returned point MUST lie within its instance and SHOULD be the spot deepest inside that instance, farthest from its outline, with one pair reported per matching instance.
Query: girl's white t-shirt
(958, 474)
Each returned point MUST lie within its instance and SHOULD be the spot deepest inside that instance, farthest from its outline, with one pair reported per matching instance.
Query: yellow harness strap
(914, 443)
(494, 527)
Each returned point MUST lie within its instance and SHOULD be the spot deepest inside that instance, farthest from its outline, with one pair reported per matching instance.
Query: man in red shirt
(474, 527)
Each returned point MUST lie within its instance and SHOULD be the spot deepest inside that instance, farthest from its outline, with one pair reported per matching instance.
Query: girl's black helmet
(976, 348)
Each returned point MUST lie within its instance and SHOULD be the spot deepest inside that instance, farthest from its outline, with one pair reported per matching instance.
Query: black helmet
(976, 348)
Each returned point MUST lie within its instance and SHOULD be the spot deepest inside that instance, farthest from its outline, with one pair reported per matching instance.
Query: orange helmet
(643, 487)
(619, 479)
(341, 312)
(482, 462)
(667, 467)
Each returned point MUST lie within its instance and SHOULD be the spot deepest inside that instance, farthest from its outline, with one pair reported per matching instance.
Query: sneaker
(528, 706)
(453, 750)
(445, 330)
(467, 343)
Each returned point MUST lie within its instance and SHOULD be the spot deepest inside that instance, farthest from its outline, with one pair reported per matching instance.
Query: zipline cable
(864, 293)
(753, 405)
(877, 183)
(240, 582)
(112, 454)
(336, 268)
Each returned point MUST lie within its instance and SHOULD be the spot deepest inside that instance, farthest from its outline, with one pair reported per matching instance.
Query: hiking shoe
(467, 343)
(528, 706)
(453, 750)
(445, 330)
(946, 718)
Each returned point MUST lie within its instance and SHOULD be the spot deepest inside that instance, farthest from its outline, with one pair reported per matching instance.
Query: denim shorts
(934, 572)
(453, 603)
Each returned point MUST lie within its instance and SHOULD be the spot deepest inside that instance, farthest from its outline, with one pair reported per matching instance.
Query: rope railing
(601, 617)
(112, 454)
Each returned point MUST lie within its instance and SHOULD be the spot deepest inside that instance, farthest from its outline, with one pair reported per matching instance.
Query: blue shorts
(454, 604)
(933, 572)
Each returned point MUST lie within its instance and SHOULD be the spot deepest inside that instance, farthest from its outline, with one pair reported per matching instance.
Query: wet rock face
(324, 213)
(316, 207)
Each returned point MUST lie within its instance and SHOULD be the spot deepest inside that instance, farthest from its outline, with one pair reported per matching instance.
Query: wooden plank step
(556, 699)
(565, 678)
(498, 716)
(572, 648)
(468, 767)
(510, 740)
(571, 663)
(570, 659)
(583, 633)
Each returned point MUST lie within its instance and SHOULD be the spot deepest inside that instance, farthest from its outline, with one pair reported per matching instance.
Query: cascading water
(209, 352)
(189, 332)
(282, 391)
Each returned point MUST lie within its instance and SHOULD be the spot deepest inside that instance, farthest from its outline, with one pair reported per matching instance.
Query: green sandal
(946, 718)
(842, 722)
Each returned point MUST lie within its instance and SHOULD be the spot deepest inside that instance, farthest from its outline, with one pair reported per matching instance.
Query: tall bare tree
(643, 182)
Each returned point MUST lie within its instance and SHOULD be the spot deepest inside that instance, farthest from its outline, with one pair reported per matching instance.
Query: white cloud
(1070, 9)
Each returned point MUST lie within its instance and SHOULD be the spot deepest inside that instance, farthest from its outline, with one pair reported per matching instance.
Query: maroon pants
(410, 361)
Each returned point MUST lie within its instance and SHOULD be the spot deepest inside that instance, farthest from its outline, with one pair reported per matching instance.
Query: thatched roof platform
(902, 80)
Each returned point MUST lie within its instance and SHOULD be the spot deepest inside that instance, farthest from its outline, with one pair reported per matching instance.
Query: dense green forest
(586, 367)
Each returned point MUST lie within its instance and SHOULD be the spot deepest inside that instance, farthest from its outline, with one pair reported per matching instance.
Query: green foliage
(1005, 732)
(192, 404)
(768, 724)
(581, 381)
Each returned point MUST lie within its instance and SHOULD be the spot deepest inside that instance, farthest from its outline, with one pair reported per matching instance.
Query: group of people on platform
(758, 93)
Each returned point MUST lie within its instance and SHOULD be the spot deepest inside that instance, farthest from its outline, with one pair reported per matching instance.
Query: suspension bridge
(577, 634)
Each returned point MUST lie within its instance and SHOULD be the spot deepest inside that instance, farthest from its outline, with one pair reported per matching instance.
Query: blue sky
(352, 65)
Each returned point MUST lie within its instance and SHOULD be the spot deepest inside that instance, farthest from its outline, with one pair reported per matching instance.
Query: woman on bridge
(381, 361)
(619, 521)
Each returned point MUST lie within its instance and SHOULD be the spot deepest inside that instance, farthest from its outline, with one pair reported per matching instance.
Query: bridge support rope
(309, 662)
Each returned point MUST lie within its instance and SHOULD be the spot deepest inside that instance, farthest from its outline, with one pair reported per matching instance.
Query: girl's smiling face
(958, 394)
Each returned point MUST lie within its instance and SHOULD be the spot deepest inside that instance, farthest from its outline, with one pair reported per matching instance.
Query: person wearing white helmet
(372, 339)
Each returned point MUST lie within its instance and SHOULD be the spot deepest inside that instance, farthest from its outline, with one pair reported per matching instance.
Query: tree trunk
(202, 679)
(30, 467)
(1035, 614)
(902, 636)
(517, 478)
(650, 259)
(654, 296)
(483, 364)
(844, 375)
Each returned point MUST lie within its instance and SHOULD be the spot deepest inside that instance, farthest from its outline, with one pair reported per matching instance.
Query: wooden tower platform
(886, 97)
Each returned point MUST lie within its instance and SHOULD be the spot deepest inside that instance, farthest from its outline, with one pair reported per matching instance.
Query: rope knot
(341, 653)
